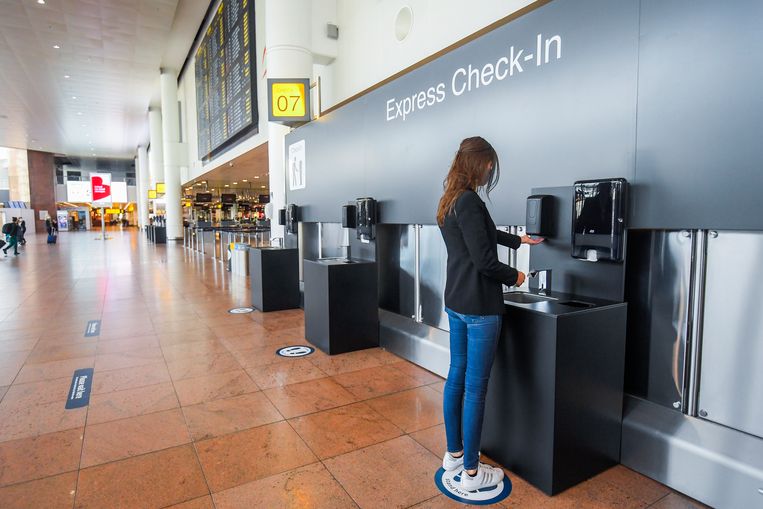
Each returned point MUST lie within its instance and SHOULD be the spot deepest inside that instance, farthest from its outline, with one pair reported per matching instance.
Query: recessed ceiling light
(256, 176)
(244, 180)
(262, 187)
(67, 76)
(226, 185)
(235, 183)
(74, 97)
(56, 46)
(41, 2)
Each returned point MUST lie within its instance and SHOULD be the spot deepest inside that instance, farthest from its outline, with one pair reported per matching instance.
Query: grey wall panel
(334, 155)
(552, 124)
(700, 156)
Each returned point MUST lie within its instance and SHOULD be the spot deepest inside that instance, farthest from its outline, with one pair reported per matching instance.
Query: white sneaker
(486, 477)
(450, 462)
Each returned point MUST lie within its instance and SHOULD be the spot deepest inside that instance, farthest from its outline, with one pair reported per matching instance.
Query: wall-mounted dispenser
(282, 217)
(598, 219)
(539, 215)
(292, 218)
(365, 218)
(348, 216)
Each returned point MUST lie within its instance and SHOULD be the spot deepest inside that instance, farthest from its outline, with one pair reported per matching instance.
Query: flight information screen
(226, 78)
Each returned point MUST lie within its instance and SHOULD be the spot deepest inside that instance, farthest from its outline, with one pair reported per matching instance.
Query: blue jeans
(473, 341)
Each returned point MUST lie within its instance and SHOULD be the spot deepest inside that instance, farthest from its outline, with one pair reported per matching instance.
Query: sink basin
(526, 298)
(577, 304)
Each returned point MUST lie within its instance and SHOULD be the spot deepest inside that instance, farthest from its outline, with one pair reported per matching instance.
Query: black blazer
(474, 275)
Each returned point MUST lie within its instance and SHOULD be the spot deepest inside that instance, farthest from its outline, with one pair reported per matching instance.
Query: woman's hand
(526, 239)
(520, 278)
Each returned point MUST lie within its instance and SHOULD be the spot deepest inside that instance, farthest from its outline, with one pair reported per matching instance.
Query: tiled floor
(192, 408)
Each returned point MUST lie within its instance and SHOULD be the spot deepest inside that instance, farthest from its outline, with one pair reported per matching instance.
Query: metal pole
(417, 273)
(697, 304)
(103, 223)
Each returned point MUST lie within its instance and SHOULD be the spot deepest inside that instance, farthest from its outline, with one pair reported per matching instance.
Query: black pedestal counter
(341, 305)
(157, 234)
(553, 410)
(274, 278)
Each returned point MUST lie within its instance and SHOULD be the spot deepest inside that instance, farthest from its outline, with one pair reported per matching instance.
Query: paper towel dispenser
(292, 218)
(365, 218)
(598, 219)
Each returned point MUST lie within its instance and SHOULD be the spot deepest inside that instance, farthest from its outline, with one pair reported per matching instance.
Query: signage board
(160, 188)
(100, 185)
(152, 194)
(78, 192)
(289, 100)
(119, 192)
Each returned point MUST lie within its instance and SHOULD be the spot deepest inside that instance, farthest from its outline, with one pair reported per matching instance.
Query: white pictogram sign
(240, 311)
(295, 351)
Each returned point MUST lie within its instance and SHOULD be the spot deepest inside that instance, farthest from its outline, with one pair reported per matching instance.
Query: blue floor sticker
(79, 392)
(93, 328)
(449, 483)
(295, 351)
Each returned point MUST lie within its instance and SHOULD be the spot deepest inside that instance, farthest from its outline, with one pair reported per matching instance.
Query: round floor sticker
(449, 482)
(295, 351)
(240, 311)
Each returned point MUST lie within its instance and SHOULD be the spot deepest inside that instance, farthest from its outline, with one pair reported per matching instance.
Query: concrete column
(156, 155)
(288, 38)
(173, 153)
(143, 185)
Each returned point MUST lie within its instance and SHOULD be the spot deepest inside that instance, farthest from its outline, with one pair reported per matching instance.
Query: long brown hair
(467, 172)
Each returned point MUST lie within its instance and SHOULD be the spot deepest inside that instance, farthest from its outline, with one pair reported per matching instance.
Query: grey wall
(700, 115)
(685, 72)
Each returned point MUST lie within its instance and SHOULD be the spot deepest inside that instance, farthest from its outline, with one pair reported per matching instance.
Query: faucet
(543, 280)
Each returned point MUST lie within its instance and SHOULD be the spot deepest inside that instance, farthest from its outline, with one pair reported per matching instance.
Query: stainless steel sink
(526, 298)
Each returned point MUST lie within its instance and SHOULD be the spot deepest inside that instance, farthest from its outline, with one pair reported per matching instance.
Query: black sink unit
(274, 278)
(341, 305)
(553, 412)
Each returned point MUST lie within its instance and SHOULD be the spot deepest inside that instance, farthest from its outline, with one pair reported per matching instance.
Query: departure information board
(226, 78)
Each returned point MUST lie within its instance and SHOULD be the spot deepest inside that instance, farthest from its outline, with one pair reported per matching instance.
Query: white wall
(187, 98)
(368, 51)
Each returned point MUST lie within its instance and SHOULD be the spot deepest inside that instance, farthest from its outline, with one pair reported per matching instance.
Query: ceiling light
(262, 187)
(203, 181)
(56, 46)
(244, 180)
(41, 2)
(67, 76)
(226, 185)
(79, 113)
(256, 176)
(74, 97)
(235, 183)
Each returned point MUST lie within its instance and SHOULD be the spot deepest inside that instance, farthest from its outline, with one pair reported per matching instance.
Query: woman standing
(473, 302)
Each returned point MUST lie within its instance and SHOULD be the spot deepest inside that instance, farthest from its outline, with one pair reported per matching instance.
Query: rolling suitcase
(51, 239)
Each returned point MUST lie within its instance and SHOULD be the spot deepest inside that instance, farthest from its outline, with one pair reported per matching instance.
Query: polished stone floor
(191, 407)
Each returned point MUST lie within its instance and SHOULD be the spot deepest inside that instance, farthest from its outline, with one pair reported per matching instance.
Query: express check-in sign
(289, 100)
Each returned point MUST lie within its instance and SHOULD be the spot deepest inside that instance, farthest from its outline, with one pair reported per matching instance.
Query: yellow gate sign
(289, 100)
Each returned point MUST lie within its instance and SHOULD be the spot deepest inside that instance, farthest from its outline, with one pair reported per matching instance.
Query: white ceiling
(110, 49)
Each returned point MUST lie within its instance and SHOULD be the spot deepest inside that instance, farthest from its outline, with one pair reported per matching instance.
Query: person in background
(11, 231)
(22, 231)
(474, 304)
(48, 225)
